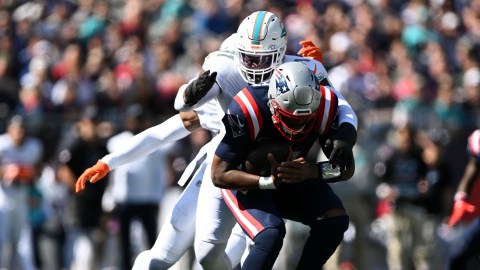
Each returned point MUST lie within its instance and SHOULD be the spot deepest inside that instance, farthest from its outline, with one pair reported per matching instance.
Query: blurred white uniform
(15, 242)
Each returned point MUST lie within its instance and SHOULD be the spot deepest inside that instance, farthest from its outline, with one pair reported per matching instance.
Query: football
(257, 159)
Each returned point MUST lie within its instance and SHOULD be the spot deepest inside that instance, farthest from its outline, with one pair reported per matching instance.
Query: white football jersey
(228, 78)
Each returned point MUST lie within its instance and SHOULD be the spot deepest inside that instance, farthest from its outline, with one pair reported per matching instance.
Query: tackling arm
(151, 139)
(140, 146)
(345, 112)
(208, 92)
(340, 143)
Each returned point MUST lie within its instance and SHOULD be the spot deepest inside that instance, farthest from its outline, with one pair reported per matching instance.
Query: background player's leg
(236, 246)
(177, 231)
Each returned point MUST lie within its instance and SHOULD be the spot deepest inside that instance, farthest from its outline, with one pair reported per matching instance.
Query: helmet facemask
(293, 126)
(261, 44)
(257, 67)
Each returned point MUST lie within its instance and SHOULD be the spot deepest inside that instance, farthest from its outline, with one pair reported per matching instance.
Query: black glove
(197, 89)
(342, 142)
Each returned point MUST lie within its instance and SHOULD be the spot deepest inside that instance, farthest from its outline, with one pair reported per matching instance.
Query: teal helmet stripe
(257, 28)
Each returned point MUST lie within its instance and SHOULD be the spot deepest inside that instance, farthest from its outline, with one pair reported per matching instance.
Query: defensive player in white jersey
(260, 47)
(222, 82)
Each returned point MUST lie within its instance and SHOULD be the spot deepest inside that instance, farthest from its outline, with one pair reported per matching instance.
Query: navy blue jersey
(248, 121)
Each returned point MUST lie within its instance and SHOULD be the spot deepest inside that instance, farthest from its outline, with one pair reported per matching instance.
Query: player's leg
(257, 214)
(236, 246)
(314, 203)
(325, 236)
(125, 216)
(177, 233)
(213, 227)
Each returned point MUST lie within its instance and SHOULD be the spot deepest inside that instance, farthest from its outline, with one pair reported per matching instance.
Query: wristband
(327, 172)
(266, 183)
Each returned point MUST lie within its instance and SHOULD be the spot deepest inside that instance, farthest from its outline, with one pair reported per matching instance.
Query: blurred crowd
(72, 73)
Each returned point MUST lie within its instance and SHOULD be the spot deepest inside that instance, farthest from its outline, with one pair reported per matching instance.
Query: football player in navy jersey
(294, 108)
(469, 248)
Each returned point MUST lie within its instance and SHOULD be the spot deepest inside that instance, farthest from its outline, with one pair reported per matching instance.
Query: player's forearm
(224, 175)
(235, 179)
(147, 141)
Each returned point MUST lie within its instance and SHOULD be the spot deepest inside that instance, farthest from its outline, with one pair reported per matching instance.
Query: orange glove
(92, 174)
(459, 208)
(309, 50)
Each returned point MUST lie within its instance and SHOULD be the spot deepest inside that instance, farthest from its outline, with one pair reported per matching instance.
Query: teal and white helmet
(261, 42)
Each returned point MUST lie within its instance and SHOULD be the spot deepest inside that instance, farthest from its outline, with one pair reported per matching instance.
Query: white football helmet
(294, 98)
(261, 44)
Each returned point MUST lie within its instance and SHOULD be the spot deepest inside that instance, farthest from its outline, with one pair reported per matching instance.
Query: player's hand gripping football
(92, 175)
(460, 207)
(197, 89)
(309, 50)
(296, 171)
(274, 165)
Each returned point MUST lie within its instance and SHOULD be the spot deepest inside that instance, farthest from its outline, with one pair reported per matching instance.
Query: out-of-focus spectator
(84, 232)
(9, 89)
(410, 234)
(137, 188)
(471, 86)
(20, 160)
(94, 25)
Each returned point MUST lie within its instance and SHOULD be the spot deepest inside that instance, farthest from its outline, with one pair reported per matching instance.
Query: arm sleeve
(147, 141)
(210, 115)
